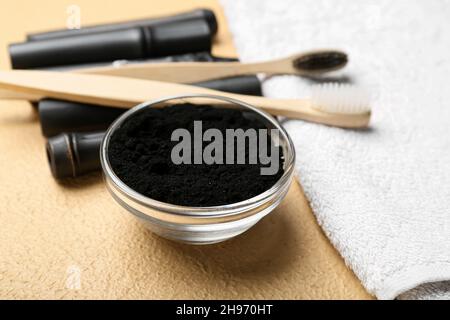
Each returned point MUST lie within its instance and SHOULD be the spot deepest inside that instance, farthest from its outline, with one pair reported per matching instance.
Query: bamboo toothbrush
(308, 63)
(333, 104)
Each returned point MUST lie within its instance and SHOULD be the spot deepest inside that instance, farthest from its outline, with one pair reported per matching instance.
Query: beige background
(50, 231)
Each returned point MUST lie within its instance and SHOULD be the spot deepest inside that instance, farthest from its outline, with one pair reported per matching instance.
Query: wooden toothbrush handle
(14, 95)
(126, 93)
(186, 72)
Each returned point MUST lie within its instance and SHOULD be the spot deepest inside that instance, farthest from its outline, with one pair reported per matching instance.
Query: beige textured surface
(48, 230)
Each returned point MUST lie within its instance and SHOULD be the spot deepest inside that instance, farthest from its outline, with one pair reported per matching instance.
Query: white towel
(382, 196)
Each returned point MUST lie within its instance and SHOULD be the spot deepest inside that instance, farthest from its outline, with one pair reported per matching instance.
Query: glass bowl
(199, 225)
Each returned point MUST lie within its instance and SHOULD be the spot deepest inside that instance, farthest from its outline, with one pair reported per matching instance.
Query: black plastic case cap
(183, 37)
(74, 154)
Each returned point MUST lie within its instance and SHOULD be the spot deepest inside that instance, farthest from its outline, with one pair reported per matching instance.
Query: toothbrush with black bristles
(304, 64)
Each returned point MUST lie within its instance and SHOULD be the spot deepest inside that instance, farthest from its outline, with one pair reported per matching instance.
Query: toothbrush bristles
(340, 98)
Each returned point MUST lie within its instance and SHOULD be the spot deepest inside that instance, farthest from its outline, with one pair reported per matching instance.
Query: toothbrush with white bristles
(338, 105)
(340, 98)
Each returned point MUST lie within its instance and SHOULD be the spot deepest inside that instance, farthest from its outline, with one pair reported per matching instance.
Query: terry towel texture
(382, 195)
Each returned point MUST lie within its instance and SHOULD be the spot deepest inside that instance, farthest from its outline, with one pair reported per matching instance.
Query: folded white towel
(382, 196)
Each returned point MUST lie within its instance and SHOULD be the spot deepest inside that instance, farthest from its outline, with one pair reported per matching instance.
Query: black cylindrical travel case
(206, 14)
(137, 42)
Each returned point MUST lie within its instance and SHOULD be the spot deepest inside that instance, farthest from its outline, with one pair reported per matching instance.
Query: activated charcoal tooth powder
(141, 153)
